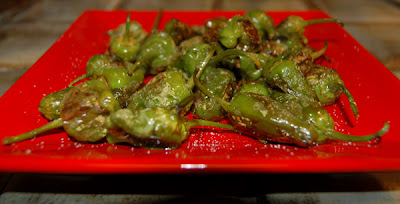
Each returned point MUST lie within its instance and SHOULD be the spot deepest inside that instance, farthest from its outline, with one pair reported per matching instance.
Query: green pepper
(240, 33)
(178, 30)
(156, 51)
(97, 62)
(135, 31)
(166, 90)
(220, 82)
(84, 110)
(295, 26)
(126, 47)
(329, 86)
(263, 22)
(315, 114)
(153, 127)
(287, 77)
(49, 106)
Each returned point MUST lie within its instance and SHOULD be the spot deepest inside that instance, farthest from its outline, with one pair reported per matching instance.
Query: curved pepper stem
(207, 123)
(80, 78)
(315, 55)
(31, 134)
(224, 104)
(334, 135)
(233, 52)
(201, 69)
(353, 104)
(322, 20)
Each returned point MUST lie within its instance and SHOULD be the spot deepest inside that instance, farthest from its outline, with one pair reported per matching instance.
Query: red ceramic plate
(373, 86)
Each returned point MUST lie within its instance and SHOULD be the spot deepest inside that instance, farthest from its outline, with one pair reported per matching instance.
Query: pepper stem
(334, 135)
(233, 52)
(319, 53)
(31, 134)
(79, 78)
(225, 105)
(207, 123)
(323, 20)
(157, 21)
(353, 104)
(127, 27)
(201, 68)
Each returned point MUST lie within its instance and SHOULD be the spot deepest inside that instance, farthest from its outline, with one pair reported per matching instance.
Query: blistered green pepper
(153, 127)
(316, 115)
(240, 33)
(49, 106)
(135, 31)
(84, 110)
(127, 46)
(156, 51)
(256, 87)
(263, 22)
(329, 86)
(166, 90)
(97, 62)
(287, 77)
(295, 26)
(220, 82)
(178, 30)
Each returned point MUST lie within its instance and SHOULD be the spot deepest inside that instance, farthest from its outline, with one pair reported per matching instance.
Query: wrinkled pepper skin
(178, 30)
(150, 127)
(287, 77)
(305, 109)
(240, 33)
(192, 58)
(329, 86)
(314, 114)
(98, 62)
(165, 90)
(295, 25)
(266, 119)
(135, 31)
(253, 87)
(220, 82)
(263, 22)
(84, 110)
(49, 106)
(156, 51)
(122, 84)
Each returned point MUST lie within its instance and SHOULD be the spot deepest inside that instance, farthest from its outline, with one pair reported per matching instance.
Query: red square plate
(373, 86)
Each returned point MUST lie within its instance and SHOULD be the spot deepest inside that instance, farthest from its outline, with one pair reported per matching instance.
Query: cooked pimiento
(262, 78)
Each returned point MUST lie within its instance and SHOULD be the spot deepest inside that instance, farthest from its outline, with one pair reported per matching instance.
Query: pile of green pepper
(259, 76)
